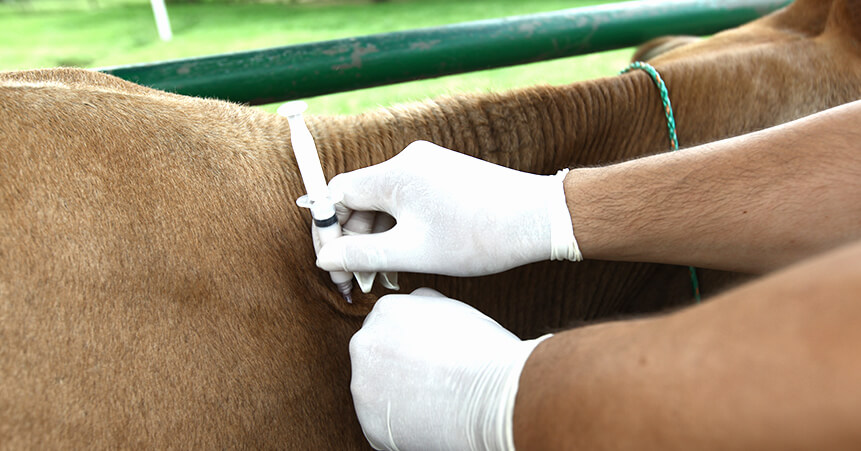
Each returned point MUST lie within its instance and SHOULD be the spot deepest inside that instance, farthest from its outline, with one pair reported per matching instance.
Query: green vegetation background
(99, 33)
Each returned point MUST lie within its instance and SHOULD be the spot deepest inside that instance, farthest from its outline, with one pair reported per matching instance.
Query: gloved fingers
(364, 189)
(315, 238)
(365, 280)
(424, 305)
(343, 213)
(432, 300)
(428, 292)
(359, 222)
(372, 187)
(389, 279)
(365, 253)
(393, 312)
(383, 222)
(364, 222)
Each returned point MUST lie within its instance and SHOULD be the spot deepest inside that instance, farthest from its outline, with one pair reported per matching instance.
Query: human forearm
(750, 203)
(769, 366)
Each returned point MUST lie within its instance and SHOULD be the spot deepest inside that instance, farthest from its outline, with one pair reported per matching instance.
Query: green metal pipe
(307, 70)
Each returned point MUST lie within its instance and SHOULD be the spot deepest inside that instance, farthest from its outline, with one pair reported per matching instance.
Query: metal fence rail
(306, 70)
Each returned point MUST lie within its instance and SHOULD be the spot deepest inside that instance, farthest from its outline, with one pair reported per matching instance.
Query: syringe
(318, 198)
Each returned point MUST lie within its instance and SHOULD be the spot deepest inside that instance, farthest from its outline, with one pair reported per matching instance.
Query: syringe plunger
(319, 201)
(305, 150)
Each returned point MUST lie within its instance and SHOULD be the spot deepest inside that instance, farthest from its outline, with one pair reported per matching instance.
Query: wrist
(567, 383)
(563, 244)
(490, 408)
(594, 207)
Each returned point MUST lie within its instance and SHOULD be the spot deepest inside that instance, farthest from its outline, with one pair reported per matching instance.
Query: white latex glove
(357, 223)
(456, 215)
(430, 372)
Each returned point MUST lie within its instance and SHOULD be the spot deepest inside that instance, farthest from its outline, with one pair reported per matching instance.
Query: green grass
(48, 33)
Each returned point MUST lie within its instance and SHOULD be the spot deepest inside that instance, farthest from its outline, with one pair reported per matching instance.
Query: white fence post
(161, 20)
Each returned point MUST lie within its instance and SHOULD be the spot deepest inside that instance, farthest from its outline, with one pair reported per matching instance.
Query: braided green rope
(674, 141)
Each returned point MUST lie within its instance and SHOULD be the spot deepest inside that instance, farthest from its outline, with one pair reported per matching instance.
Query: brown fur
(157, 285)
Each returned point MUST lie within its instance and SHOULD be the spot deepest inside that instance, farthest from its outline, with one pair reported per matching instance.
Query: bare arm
(751, 203)
(773, 365)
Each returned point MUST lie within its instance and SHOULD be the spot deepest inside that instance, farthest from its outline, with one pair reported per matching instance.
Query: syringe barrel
(306, 157)
(329, 229)
(321, 204)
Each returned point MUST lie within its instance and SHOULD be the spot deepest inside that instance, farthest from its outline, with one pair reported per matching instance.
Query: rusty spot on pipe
(424, 45)
(356, 56)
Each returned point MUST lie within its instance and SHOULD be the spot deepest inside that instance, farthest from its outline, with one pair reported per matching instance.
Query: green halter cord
(674, 141)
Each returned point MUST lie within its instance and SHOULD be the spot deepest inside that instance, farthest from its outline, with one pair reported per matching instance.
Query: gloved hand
(430, 372)
(456, 215)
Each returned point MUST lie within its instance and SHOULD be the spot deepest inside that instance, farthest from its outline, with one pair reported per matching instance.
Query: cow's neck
(537, 129)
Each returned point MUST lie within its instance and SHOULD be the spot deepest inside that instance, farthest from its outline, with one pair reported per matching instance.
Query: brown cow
(157, 284)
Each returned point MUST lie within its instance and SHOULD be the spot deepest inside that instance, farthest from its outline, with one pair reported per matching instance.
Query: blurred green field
(98, 33)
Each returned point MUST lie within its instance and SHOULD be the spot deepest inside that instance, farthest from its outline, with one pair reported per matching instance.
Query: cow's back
(151, 291)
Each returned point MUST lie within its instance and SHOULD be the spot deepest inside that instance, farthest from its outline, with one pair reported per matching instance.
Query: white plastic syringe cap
(293, 108)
